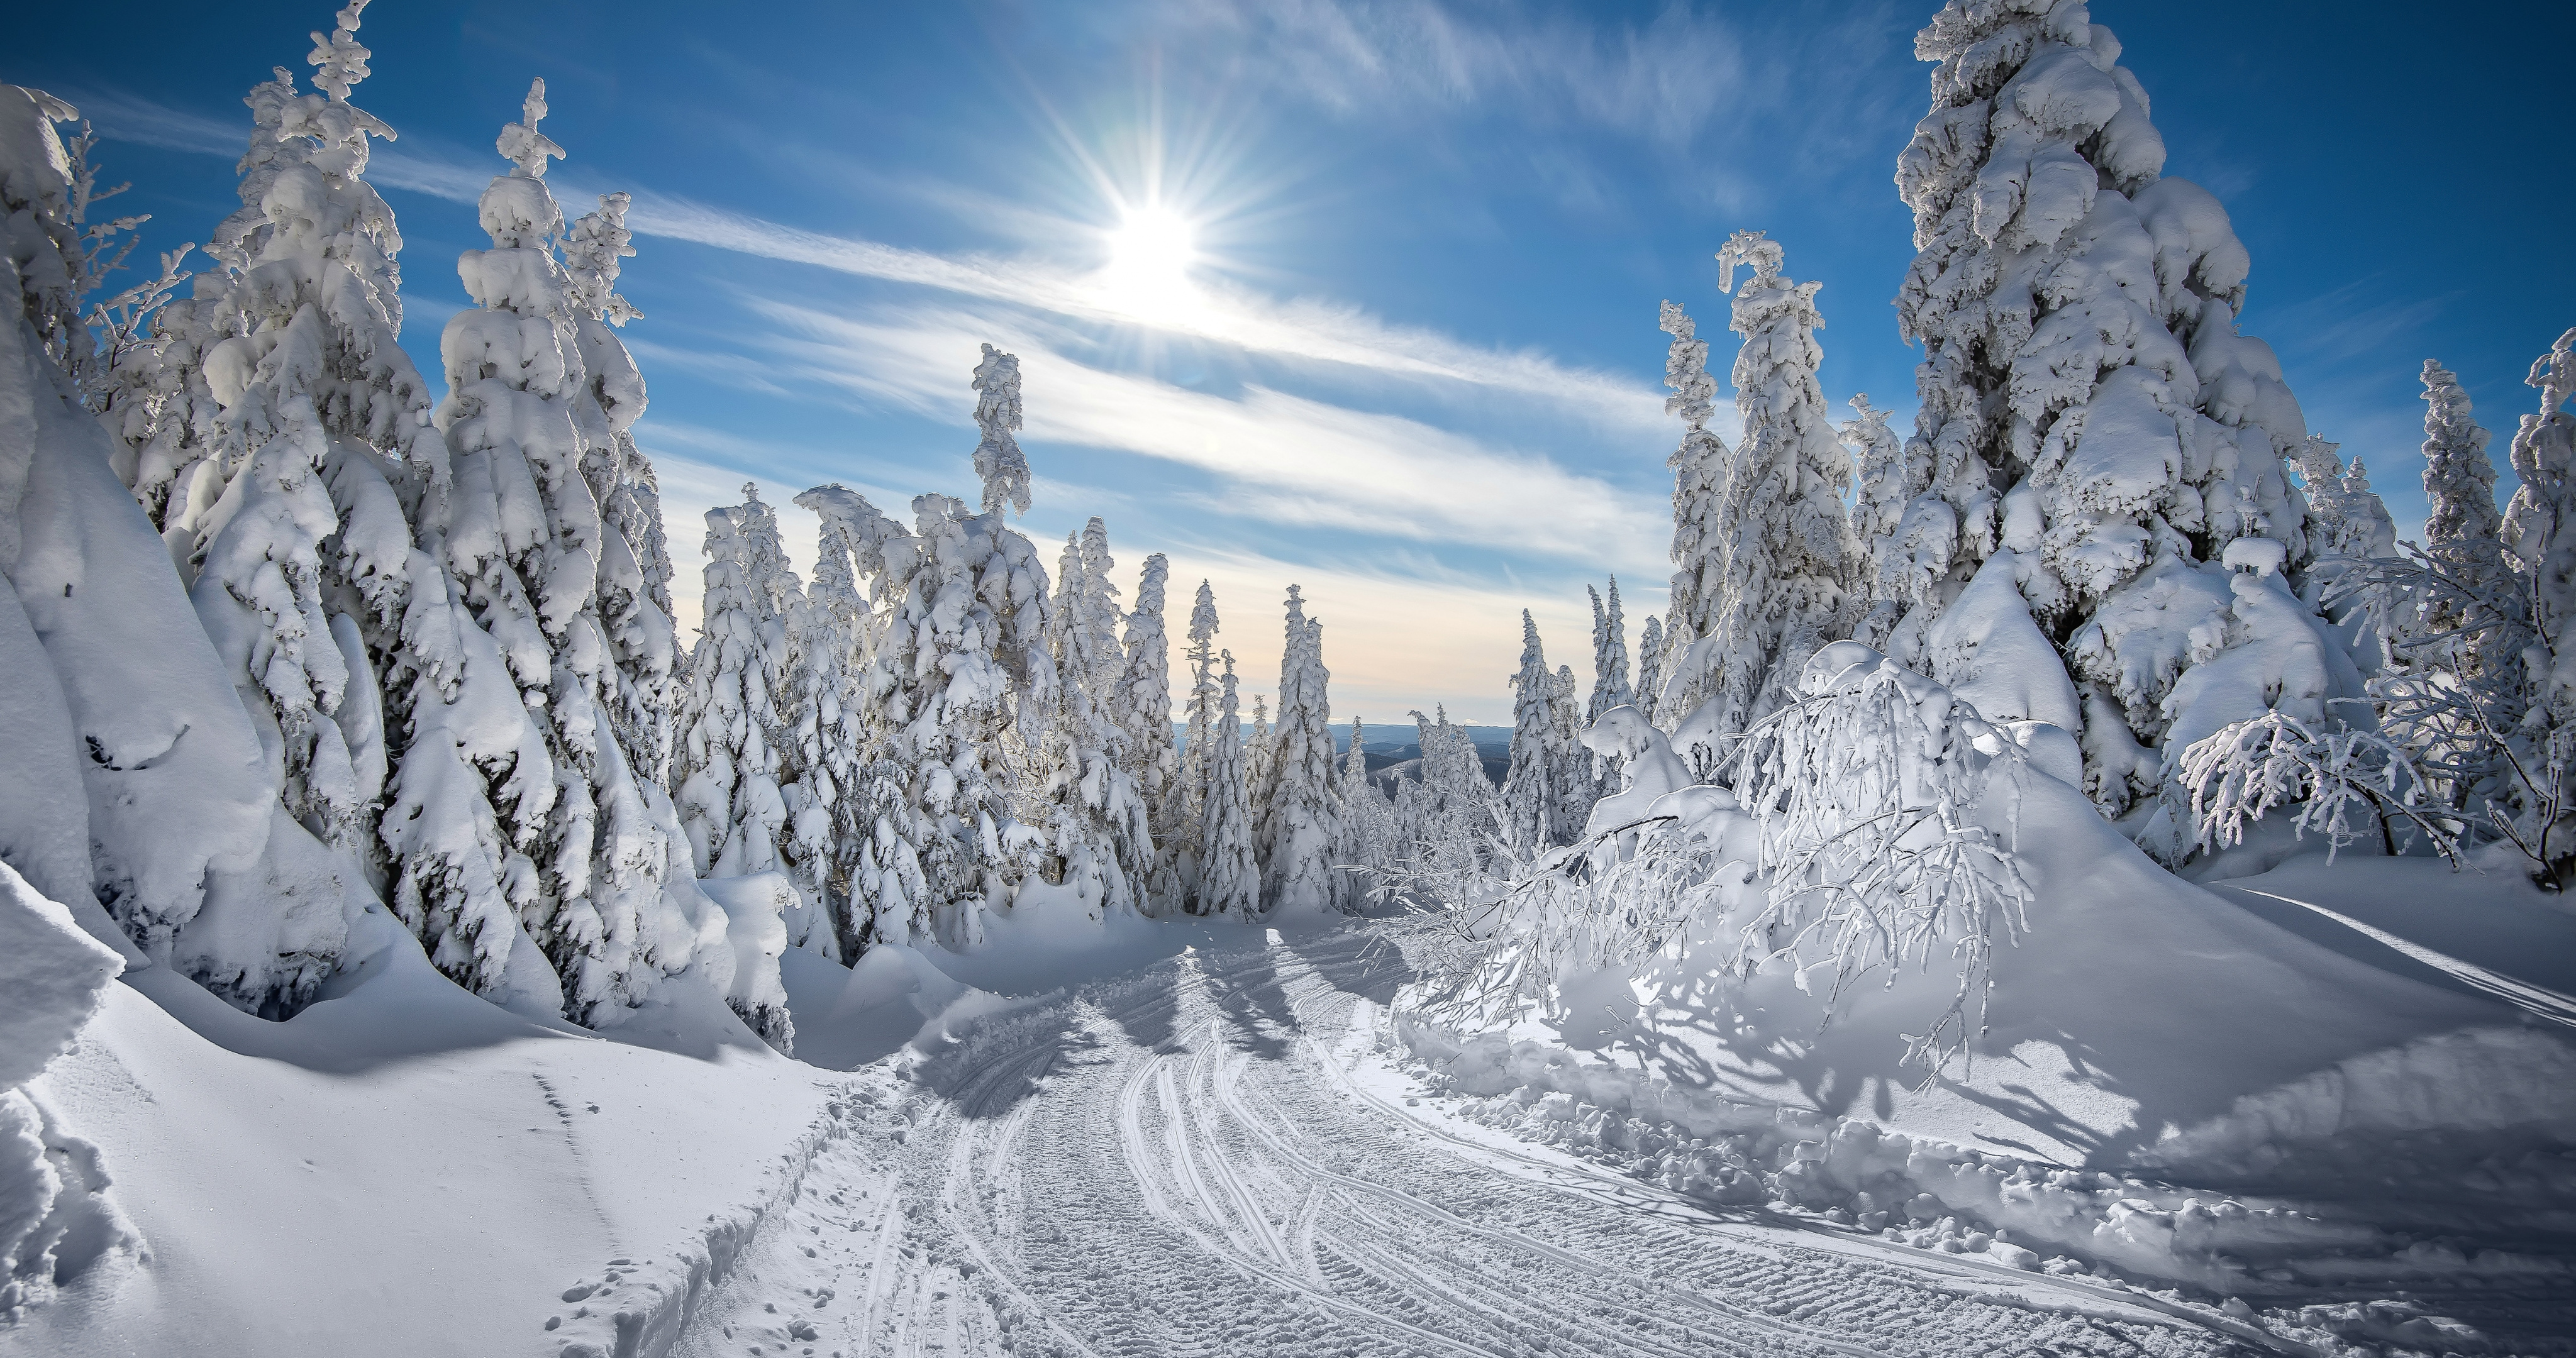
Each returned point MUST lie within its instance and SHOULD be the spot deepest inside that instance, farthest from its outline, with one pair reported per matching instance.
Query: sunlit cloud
(1289, 459)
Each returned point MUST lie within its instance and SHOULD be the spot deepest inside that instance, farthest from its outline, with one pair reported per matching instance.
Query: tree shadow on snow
(1355, 961)
(996, 1066)
(1245, 984)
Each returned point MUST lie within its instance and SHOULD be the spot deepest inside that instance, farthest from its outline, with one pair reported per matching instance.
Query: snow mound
(2142, 1031)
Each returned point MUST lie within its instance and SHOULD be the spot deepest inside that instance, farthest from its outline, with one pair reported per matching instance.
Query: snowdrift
(404, 1167)
(2143, 1033)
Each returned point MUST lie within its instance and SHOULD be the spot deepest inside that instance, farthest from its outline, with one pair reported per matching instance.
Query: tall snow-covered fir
(2095, 429)
(1139, 703)
(1699, 467)
(1189, 797)
(1610, 686)
(1298, 809)
(1786, 571)
(998, 459)
(1229, 874)
(1536, 796)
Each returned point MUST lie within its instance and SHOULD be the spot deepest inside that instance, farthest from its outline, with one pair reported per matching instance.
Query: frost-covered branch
(2337, 779)
(1857, 837)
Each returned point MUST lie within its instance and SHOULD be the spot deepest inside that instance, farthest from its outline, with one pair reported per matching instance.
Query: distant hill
(1389, 738)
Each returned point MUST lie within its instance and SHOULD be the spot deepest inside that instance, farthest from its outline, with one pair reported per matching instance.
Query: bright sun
(1150, 254)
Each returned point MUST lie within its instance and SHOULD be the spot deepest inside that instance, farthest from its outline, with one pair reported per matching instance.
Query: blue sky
(1412, 364)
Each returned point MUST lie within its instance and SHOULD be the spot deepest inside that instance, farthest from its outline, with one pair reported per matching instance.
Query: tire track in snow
(1175, 1164)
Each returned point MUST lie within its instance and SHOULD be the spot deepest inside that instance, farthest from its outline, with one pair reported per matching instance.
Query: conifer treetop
(998, 458)
(1748, 249)
(1686, 369)
(522, 144)
(339, 60)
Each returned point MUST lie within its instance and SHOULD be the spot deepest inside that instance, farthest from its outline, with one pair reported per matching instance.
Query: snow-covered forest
(2058, 874)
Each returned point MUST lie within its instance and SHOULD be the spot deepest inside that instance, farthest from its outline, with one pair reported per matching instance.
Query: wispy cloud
(1662, 80)
(1288, 459)
(1304, 330)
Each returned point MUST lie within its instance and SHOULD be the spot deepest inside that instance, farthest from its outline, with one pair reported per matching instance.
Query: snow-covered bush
(1868, 830)
(2347, 785)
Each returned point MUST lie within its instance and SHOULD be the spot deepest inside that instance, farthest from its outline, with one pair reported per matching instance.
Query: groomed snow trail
(1179, 1162)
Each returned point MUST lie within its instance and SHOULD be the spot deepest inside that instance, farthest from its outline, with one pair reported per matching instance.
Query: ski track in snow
(1179, 1163)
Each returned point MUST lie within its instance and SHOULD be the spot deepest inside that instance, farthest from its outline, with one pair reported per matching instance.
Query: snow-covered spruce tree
(1533, 802)
(878, 833)
(1451, 817)
(2463, 528)
(1256, 753)
(1300, 825)
(1787, 571)
(961, 670)
(1190, 790)
(1577, 785)
(1699, 468)
(634, 591)
(2452, 692)
(2347, 528)
(523, 536)
(1097, 614)
(2098, 428)
(2345, 516)
(2540, 523)
(1370, 834)
(823, 729)
(639, 848)
(739, 708)
(998, 459)
(1229, 876)
(2540, 527)
(279, 380)
(1140, 704)
(310, 301)
(178, 795)
(1609, 655)
(1650, 662)
(1088, 804)
(1903, 531)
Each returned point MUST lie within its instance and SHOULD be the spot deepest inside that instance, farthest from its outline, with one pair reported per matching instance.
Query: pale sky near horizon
(1359, 296)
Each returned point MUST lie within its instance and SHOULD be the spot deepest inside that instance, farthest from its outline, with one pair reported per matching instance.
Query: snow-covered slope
(405, 1168)
(2142, 1026)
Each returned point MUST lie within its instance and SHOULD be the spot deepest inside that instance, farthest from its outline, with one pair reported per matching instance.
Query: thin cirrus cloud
(1662, 80)
(1295, 460)
(1304, 330)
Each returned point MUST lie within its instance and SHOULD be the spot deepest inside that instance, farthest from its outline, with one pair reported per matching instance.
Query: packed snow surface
(1214, 1144)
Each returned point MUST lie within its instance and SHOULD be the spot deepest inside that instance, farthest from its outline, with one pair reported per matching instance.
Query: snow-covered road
(1203, 1158)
